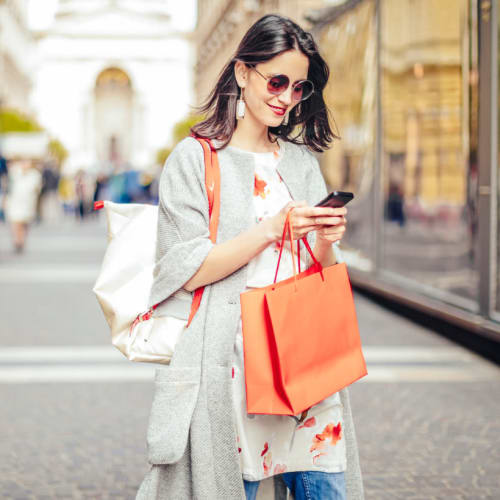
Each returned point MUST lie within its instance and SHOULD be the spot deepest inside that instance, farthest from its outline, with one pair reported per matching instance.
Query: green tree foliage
(162, 155)
(57, 151)
(180, 131)
(14, 121)
(182, 128)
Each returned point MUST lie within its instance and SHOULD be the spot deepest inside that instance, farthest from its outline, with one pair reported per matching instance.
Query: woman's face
(264, 107)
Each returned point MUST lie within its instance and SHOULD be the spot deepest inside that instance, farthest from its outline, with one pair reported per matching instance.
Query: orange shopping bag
(300, 337)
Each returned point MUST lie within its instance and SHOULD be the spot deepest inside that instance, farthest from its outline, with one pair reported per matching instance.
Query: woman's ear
(241, 73)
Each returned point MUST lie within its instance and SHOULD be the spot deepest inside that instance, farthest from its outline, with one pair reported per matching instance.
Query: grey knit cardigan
(191, 435)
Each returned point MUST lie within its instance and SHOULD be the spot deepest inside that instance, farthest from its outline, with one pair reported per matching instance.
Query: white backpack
(126, 276)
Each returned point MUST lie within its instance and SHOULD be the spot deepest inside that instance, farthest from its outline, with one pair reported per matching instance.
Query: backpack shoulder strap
(212, 184)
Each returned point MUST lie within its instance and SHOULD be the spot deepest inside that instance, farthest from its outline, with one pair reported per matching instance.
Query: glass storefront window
(349, 47)
(429, 160)
(497, 301)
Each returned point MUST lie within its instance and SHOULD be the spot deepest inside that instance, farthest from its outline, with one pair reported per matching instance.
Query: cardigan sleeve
(183, 236)
(317, 191)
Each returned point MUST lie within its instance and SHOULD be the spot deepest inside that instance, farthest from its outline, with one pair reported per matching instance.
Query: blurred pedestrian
(48, 202)
(265, 116)
(100, 185)
(23, 189)
(66, 192)
(3, 184)
(84, 190)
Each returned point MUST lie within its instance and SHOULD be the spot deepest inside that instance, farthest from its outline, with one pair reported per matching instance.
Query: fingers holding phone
(305, 218)
(329, 223)
(335, 204)
(302, 223)
(333, 227)
(327, 217)
(330, 216)
(331, 234)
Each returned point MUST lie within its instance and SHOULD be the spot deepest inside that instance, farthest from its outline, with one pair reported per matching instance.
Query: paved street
(74, 411)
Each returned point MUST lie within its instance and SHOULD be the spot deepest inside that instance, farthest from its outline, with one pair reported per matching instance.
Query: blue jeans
(307, 485)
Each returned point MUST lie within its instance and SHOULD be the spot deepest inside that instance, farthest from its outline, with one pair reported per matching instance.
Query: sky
(41, 13)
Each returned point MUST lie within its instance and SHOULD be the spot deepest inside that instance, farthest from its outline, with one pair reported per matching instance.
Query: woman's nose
(286, 97)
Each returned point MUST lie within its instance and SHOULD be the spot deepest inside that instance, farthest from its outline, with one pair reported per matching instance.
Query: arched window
(113, 117)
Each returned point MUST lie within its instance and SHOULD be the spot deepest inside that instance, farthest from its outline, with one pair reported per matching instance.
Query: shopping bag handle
(304, 239)
(288, 228)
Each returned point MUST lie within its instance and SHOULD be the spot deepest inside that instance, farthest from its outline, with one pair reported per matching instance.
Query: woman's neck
(251, 136)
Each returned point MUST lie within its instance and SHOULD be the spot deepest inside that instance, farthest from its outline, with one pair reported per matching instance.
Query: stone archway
(113, 117)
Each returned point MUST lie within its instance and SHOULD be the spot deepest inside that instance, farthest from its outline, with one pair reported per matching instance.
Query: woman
(201, 441)
(24, 186)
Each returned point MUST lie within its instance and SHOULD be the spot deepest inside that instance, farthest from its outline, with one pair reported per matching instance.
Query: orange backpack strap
(212, 185)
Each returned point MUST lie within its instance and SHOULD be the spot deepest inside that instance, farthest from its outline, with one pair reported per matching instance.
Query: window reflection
(429, 163)
(349, 47)
(497, 302)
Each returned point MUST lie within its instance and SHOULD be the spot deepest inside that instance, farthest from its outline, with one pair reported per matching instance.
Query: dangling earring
(285, 120)
(240, 106)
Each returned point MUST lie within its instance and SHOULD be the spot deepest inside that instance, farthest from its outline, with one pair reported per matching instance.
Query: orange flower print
(266, 448)
(279, 468)
(267, 463)
(259, 187)
(330, 432)
(310, 422)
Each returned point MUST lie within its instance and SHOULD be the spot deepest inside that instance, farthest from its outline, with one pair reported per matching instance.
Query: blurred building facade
(16, 56)
(413, 92)
(108, 80)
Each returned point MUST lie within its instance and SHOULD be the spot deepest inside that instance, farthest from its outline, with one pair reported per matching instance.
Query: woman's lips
(278, 111)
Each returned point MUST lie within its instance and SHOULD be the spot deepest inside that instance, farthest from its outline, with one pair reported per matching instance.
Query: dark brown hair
(268, 37)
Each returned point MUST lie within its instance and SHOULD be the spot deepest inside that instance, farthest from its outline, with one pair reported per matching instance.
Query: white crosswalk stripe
(49, 274)
(386, 364)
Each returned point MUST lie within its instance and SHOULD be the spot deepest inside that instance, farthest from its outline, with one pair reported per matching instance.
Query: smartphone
(336, 199)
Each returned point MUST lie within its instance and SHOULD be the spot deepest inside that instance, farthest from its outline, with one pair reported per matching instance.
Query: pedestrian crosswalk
(47, 274)
(385, 364)
(71, 255)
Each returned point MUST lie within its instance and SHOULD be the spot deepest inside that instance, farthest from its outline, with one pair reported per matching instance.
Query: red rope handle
(288, 228)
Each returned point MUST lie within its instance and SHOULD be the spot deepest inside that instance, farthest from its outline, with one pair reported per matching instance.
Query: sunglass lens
(278, 84)
(302, 90)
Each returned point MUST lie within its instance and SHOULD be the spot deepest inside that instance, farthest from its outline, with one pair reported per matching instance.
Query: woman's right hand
(303, 219)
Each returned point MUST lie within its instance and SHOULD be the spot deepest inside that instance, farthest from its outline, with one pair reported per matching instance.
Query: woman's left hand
(331, 228)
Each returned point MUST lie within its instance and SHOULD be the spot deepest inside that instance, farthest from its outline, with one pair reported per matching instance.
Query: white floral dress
(272, 444)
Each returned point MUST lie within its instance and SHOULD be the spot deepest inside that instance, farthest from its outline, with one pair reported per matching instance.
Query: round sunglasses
(278, 84)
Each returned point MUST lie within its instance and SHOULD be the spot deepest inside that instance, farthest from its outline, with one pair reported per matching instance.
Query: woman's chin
(274, 121)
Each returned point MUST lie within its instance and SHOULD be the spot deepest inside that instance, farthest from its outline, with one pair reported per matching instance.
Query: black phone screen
(336, 199)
